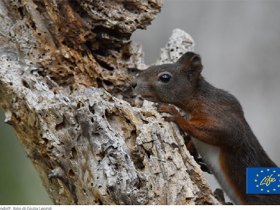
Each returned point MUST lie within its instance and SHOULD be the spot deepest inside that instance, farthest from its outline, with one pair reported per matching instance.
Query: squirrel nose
(133, 82)
(136, 89)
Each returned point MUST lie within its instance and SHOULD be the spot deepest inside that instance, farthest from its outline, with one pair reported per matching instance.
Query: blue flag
(263, 180)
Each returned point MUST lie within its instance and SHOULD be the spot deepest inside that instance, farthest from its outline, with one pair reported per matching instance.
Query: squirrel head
(170, 83)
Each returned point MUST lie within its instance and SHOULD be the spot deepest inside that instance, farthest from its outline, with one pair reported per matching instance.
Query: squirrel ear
(191, 62)
(186, 57)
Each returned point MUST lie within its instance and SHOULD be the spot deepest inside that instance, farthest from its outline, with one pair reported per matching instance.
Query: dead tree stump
(65, 87)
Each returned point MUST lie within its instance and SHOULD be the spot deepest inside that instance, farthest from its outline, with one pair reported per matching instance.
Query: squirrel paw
(175, 114)
(203, 166)
(168, 109)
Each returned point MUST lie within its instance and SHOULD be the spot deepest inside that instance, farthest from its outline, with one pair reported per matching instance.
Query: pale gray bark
(65, 87)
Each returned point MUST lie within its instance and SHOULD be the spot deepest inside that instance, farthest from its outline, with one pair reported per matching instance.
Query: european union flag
(263, 181)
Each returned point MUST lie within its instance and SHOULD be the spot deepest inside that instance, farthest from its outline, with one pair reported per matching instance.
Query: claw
(165, 118)
(168, 119)
(158, 104)
(203, 166)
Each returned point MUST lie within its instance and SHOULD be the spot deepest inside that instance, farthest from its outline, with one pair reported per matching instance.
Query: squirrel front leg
(175, 115)
(179, 120)
(198, 127)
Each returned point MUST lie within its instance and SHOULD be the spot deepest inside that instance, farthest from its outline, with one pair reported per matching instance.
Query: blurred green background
(19, 182)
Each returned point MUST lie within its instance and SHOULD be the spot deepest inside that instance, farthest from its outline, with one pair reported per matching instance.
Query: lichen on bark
(66, 72)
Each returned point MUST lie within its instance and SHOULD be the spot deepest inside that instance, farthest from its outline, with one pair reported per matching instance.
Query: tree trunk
(65, 86)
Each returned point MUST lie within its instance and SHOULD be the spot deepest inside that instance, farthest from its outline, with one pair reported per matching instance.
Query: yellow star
(267, 190)
(257, 186)
(258, 174)
(278, 185)
(278, 174)
(261, 189)
(261, 171)
(274, 189)
(267, 169)
(274, 171)
(256, 180)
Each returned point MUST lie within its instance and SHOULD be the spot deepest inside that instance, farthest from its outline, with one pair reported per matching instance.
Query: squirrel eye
(165, 78)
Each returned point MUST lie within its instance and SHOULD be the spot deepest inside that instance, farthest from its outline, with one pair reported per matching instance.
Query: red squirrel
(216, 124)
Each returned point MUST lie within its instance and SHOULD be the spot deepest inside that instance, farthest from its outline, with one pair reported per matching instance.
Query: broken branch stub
(63, 77)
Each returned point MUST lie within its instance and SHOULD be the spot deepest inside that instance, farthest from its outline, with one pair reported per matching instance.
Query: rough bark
(65, 86)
